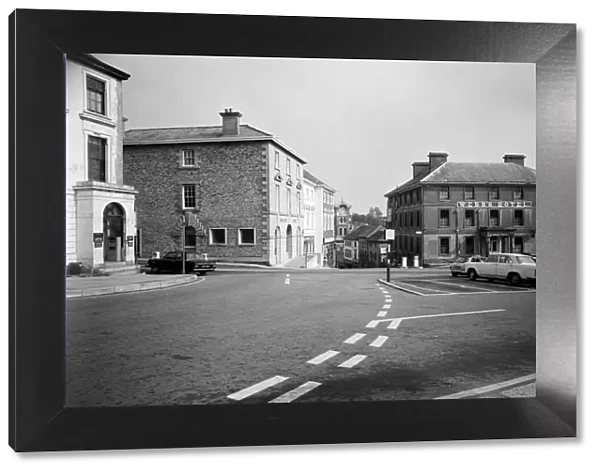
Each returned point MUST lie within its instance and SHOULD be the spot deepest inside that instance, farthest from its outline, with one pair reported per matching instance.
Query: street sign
(383, 250)
(389, 234)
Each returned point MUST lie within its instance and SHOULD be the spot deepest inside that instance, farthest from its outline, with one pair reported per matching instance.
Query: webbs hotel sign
(494, 205)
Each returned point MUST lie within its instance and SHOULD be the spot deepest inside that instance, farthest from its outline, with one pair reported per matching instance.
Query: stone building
(449, 209)
(100, 208)
(342, 226)
(359, 245)
(231, 191)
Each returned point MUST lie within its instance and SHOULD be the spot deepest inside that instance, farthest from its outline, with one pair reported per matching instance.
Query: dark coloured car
(458, 268)
(172, 263)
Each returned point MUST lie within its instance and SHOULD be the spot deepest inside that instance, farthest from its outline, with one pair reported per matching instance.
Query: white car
(512, 267)
(459, 267)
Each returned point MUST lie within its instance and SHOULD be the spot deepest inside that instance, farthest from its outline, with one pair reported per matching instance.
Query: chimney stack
(514, 159)
(231, 122)
(420, 168)
(436, 159)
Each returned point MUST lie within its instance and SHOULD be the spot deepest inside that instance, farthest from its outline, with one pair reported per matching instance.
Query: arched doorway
(114, 232)
(289, 242)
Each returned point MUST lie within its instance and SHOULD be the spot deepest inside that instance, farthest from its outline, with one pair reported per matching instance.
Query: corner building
(456, 209)
(100, 208)
(231, 191)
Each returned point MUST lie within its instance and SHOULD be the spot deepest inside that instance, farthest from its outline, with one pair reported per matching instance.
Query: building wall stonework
(232, 192)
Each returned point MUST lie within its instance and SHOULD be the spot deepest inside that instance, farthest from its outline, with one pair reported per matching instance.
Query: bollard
(416, 262)
(404, 262)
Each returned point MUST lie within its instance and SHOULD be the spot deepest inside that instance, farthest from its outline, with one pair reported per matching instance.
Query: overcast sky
(359, 124)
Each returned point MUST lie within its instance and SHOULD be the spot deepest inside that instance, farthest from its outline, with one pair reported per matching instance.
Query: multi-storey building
(100, 209)
(319, 218)
(449, 209)
(232, 191)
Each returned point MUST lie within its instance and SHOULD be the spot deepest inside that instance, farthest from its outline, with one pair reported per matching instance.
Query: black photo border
(39, 420)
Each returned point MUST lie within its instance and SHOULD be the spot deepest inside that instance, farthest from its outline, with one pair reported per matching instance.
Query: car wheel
(514, 279)
(454, 274)
(154, 269)
(472, 274)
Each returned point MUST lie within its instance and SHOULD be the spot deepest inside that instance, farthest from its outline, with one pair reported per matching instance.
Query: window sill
(217, 244)
(195, 166)
(97, 118)
(246, 244)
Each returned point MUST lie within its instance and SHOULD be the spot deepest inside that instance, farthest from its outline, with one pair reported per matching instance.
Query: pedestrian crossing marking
(355, 338)
(352, 361)
(296, 393)
(244, 393)
(323, 357)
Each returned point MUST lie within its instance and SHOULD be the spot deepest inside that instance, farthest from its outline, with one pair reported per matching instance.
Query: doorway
(494, 245)
(114, 237)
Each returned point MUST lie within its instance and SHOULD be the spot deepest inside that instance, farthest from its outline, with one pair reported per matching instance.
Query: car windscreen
(460, 260)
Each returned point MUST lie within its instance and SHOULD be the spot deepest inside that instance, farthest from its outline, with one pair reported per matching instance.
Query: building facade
(450, 209)
(231, 191)
(342, 227)
(359, 245)
(100, 208)
(319, 218)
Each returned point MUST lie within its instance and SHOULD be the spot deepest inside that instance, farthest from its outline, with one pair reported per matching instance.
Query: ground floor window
(469, 245)
(218, 236)
(247, 236)
(518, 245)
(444, 246)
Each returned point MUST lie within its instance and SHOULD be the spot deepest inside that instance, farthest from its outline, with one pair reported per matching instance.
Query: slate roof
(364, 231)
(164, 135)
(198, 134)
(97, 64)
(309, 176)
(377, 236)
(472, 173)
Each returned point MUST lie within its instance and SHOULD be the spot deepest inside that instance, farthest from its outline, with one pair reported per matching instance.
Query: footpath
(117, 284)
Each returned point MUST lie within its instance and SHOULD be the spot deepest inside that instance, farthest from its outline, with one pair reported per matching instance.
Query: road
(315, 336)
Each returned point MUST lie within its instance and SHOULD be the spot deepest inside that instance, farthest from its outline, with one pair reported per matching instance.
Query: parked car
(458, 268)
(512, 267)
(172, 262)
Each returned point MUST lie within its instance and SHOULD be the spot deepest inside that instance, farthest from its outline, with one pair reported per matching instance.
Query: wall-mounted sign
(494, 205)
(389, 234)
(98, 240)
(129, 240)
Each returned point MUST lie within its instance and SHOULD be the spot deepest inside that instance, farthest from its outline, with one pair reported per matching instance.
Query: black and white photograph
(269, 231)
(260, 230)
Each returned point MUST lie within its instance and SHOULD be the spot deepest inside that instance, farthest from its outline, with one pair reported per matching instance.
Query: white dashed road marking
(244, 393)
(296, 393)
(321, 358)
(355, 338)
(394, 324)
(355, 360)
(382, 313)
(379, 341)
(287, 279)
(387, 306)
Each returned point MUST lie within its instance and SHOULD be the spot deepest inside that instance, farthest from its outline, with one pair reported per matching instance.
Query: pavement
(117, 284)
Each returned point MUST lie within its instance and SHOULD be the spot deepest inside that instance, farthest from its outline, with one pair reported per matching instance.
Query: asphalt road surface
(312, 336)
